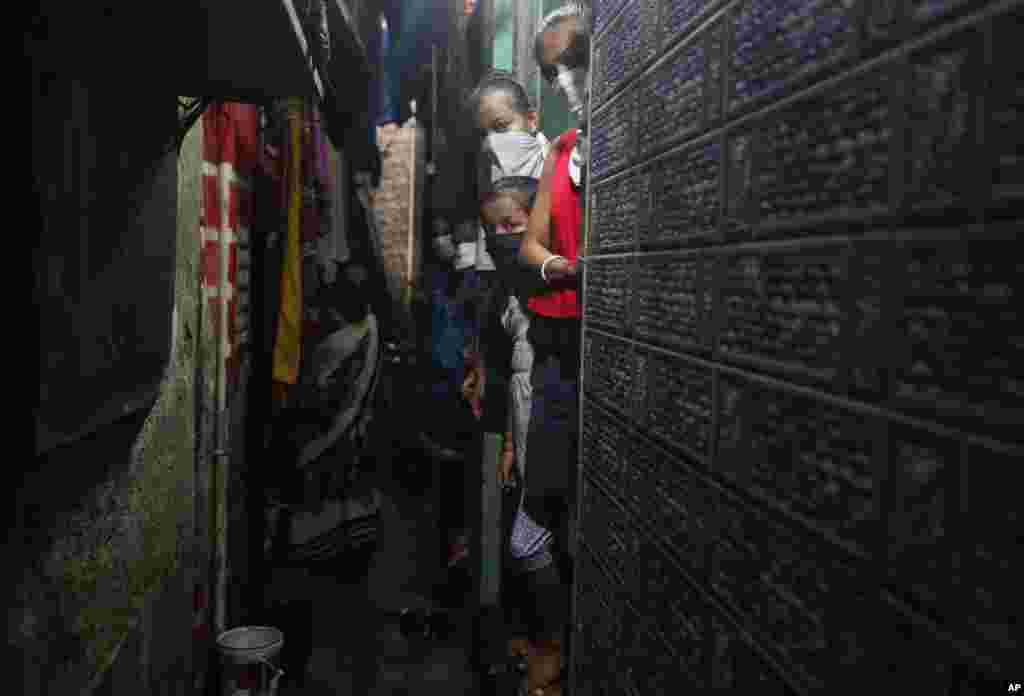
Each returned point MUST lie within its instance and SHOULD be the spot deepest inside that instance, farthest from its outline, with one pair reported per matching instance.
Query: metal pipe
(413, 172)
(300, 35)
(434, 129)
(218, 477)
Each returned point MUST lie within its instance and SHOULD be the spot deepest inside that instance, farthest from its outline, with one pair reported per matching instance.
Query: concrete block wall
(801, 325)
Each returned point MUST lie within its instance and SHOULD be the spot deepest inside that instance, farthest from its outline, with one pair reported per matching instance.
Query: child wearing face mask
(552, 247)
(516, 151)
(505, 211)
(507, 124)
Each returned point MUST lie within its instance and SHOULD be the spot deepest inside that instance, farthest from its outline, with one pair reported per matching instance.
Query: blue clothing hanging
(389, 110)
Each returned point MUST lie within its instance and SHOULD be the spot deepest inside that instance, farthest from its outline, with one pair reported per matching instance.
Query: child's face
(497, 115)
(505, 214)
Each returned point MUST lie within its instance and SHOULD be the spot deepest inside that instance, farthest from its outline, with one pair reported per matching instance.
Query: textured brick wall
(397, 203)
(801, 344)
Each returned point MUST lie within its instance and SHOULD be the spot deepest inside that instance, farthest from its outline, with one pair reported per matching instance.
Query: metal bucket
(248, 654)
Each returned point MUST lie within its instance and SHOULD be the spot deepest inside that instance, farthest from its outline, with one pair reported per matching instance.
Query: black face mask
(576, 55)
(504, 249)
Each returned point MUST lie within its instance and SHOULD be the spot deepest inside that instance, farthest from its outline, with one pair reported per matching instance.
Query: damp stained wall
(101, 601)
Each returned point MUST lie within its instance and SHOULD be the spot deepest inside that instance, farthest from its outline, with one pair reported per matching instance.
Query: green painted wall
(504, 34)
(554, 113)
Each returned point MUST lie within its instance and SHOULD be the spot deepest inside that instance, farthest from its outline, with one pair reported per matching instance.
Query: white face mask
(515, 154)
(573, 84)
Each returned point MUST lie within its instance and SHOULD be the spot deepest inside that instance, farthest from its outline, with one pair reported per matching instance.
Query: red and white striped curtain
(229, 161)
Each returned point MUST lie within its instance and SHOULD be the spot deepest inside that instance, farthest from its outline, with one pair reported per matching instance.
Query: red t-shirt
(560, 300)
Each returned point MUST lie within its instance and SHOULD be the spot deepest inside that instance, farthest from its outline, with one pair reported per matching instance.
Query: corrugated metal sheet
(801, 347)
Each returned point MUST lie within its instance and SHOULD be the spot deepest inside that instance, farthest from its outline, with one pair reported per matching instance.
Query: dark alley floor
(358, 648)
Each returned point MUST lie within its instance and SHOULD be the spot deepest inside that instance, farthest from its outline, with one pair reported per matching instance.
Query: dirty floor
(358, 648)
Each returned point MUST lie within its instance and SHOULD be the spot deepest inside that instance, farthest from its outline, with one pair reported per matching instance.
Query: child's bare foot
(544, 668)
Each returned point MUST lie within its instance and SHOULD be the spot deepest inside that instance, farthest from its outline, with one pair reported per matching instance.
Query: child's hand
(505, 464)
(473, 388)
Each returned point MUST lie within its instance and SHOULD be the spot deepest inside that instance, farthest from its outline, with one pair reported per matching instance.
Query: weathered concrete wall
(102, 601)
(239, 562)
(197, 342)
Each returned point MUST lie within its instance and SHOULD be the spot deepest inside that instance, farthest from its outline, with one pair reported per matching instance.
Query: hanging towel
(289, 334)
(339, 231)
(334, 249)
(326, 252)
(389, 100)
(314, 222)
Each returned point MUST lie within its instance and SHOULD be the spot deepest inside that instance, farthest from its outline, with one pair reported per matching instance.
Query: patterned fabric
(517, 324)
(230, 157)
(341, 527)
(314, 225)
(530, 544)
(329, 366)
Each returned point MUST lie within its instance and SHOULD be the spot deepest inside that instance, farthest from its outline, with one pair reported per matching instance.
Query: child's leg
(544, 662)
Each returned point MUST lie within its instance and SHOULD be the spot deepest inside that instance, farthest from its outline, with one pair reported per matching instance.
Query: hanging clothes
(389, 98)
(347, 366)
(334, 249)
(324, 423)
(288, 343)
(314, 202)
(330, 336)
(419, 26)
(229, 161)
